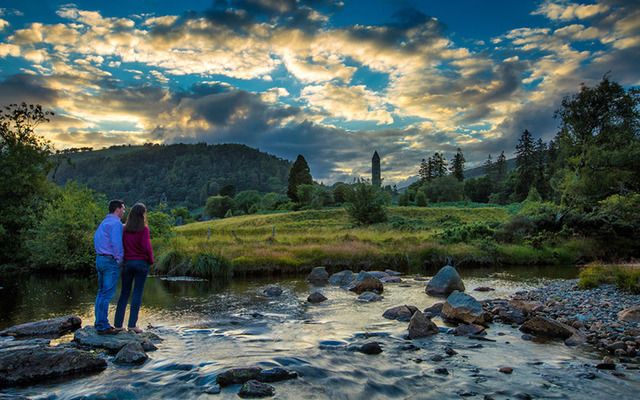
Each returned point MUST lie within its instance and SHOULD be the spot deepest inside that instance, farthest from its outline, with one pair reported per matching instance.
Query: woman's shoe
(135, 329)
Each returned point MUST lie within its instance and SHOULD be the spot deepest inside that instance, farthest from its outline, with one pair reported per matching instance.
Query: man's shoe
(108, 331)
(135, 330)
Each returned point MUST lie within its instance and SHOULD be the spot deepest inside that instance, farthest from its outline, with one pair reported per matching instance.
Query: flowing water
(211, 326)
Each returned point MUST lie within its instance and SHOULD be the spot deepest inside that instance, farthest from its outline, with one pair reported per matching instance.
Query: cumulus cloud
(564, 10)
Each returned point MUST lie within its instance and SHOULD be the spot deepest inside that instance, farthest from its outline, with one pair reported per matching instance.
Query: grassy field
(411, 239)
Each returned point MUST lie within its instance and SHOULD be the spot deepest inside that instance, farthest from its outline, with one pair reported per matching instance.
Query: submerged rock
(318, 275)
(391, 279)
(421, 326)
(370, 348)
(365, 282)
(460, 307)
(378, 274)
(276, 374)
(369, 297)
(342, 278)
(272, 291)
(316, 297)
(89, 337)
(131, 353)
(468, 330)
(484, 289)
(235, 376)
(400, 313)
(49, 327)
(445, 282)
(31, 364)
(255, 389)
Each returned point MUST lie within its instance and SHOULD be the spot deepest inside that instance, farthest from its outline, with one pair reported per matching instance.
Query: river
(208, 327)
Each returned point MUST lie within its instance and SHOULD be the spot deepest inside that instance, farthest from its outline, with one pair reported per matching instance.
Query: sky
(331, 80)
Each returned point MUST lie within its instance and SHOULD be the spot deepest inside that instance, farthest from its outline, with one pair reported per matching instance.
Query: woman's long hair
(137, 218)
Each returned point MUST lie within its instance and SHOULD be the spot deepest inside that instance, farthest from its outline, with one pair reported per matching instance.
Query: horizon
(330, 80)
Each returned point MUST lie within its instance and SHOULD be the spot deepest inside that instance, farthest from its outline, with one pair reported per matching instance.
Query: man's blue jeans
(134, 272)
(108, 274)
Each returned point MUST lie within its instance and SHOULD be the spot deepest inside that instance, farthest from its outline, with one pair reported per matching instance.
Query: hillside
(183, 174)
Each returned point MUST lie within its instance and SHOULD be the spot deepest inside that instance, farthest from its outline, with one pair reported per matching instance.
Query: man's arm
(116, 241)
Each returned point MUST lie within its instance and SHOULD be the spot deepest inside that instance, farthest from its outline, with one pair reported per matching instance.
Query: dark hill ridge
(184, 174)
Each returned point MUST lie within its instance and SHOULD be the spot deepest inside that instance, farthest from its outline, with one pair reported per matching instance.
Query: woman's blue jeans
(134, 274)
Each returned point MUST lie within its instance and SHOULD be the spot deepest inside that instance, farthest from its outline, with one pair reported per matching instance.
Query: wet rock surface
(365, 282)
(421, 326)
(131, 353)
(318, 275)
(89, 337)
(316, 297)
(369, 297)
(45, 328)
(461, 307)
(342, 278)
(445, 282)
(255, 389)
(400, 313)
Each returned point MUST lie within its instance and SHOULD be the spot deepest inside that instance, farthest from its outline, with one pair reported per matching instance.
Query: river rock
(369, 297)
(445, 282)
(254, 389)
(131, 353)
(526, 307)
(49, 327)
(468, 330)
(484, 289)
(391, 279)
(370, 348)
(316, 297)
(546, 327)
(630, 314)
(400, 313)
(460, 307)
(434, 310)
(366, 282)
(89, 337)
(506, 370)
(421, 326)
(4, 344)
(378, 274)
(31, 364)
(342, 278)
(236, 376)
(391, 272)
(318, 275)
(272, 291)
(276, 374)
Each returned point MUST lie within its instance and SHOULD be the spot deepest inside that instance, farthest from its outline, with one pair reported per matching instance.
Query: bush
(273, 201)
(63, 237)
(421, 199)
(366, 204)
(445, 188)
(160, 224)
(341, 192)
(516, 229)
(217, 206)
(467, 232)
(245, 200)
(625, 278)
(478, 189)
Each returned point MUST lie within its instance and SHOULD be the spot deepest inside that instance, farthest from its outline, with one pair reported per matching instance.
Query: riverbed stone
(526, 307)
(546, 327)
(236, 376)
(370, 348)
(461, 307)
(445, 282)
(391, 279)
(400, 313)
(365, 282)
(369, 297)
(630, 314)
(46, 328)
(89, 337)
(318, 275)
(420, 326)
(469, 329)
(434, 310)
(484, 289)
(272, 291)
(276, 374)
(255, 389)
(316, 297)
(32, 364)
(342, 278)
(131, 353)
(391, 272)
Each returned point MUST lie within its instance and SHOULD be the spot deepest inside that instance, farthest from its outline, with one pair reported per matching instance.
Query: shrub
(217, 206)
(421, 199)
(245, 200)
(445, 188)
(467, 232)
(366, 205)
(160, 224)
(517, 228)
(625, 278)
(63, 237)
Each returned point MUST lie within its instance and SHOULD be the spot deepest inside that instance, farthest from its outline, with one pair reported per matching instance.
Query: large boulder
(365, 282)
(47, 328)
(89, 337)
(421, 326)
(342, 278)
(318, 275)
(445, 282)
(30, 364)
(400, 313)
(546, 327)
(630, 314)
(460, 307)
(131, 353)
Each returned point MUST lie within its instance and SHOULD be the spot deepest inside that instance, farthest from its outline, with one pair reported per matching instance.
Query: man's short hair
(114, 205)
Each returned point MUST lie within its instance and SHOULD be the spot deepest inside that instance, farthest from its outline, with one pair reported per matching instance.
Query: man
(109, 256)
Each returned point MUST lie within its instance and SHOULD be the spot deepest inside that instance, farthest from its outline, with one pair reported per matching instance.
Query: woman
(138, 257)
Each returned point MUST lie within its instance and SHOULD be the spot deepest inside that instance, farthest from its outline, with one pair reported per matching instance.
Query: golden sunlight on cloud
(562, 10)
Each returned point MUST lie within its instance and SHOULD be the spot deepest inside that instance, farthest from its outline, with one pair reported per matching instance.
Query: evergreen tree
(541, 182)
(500, 168)
(489, 168)
(439, 166)
(525, 165)
(300, 174)
(457, 165)
(423, 172)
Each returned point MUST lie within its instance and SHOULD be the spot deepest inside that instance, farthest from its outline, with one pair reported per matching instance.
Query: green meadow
(411, 239)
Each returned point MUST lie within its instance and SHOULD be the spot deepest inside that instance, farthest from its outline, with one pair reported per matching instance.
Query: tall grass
(624, 277)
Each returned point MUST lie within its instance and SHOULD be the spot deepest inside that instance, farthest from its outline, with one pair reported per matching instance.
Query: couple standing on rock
(121, 250)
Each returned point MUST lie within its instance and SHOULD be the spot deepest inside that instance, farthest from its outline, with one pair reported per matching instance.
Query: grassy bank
(412, 238)
(625, 277)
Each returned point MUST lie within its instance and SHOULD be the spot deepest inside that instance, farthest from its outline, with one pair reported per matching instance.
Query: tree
(489, 168)
(245, 200)
(444, 188)
(457, 165)
(478, 189)
(217, 206)
(541, 182)
(299, 174)
(160, 224)
(500, 168)
(24, 164)
(424, 172)
(366, 204)
(421, 199)
(525, 165)
(439, 165)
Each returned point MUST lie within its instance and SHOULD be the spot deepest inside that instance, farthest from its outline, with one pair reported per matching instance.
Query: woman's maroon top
(137, 245)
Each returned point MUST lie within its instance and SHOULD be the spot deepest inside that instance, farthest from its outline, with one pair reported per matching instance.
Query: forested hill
(184, 174)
